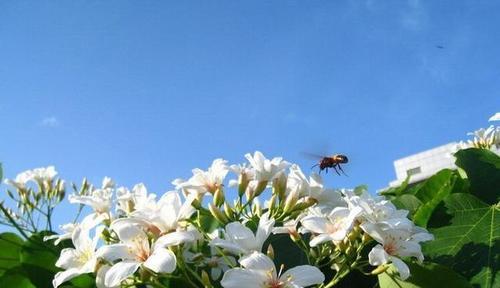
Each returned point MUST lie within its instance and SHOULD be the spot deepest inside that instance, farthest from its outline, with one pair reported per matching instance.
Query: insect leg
(340, 168)
(335, 168)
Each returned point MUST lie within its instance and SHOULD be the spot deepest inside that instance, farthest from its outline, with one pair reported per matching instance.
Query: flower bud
(306, 204)
(261, 186)
(196, 203)
(228, 210)
(279, 186)
(270, 252)
(272, 203)
(217, 214)
(219, 196)
(205, 279)
(242, 184)
(290, 202)
(380, 269)
(257, 209)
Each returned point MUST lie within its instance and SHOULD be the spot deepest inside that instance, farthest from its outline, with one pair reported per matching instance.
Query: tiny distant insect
(333, 162)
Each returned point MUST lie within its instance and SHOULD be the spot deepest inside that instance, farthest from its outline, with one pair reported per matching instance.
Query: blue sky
(144, 91)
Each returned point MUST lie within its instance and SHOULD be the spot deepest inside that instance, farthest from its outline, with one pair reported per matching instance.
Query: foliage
(461, 209)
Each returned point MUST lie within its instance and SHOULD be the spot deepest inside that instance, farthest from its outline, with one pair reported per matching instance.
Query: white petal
(242, 278)
(241, 235)
(374, 231)
(64, 276)
(404, 271)
(100, 276)
(174, 238)
(303, 276)
(80, 238)
(119, 272)
(68, 259)
(257, 261)
(161, 261)
(378, 256)
(128, 229)
(321, 238)
(315, 224)
(228, 245)
(264, 229)
(114, 252)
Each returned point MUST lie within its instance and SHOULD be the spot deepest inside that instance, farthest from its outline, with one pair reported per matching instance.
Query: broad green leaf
(39, 253)
(408, 202)
(483, 170)
(82, 281)
(432, 192)
(208, 222)
(395, 191)
(429, 275)
(17, 280)
(471, 244)
(10, 247)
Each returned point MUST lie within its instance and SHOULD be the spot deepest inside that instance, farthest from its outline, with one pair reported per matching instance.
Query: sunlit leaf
(471, 244)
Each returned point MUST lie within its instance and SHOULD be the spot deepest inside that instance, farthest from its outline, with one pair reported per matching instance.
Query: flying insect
(332, 162)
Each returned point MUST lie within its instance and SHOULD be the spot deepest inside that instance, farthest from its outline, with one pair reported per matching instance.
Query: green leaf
(10, 247)
(408, 202)
(432, 192)
(82, 281)
(16, 280)
(429, 275)
(483, 170)
(38, 253)
(471, 244)
(399, 190)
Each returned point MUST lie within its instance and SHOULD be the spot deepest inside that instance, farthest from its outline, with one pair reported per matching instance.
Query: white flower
(495, 117)
(42, 176)
(206, 181)
(485, 138)
(313, 187)
(79, 260)
(89, 222)
(379, 210)
(396, 242)
(138, 199)
(167, 214)
(107, 183)
(98, 199)
(266, 169)
(332, 227)
(259, 272)
(239, 239)
(135, 250)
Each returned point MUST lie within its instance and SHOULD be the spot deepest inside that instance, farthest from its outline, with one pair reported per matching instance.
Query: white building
(422, 165)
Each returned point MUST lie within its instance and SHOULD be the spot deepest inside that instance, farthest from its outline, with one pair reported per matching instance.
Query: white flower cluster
(488, 138)
(132, 237)
(39, 176)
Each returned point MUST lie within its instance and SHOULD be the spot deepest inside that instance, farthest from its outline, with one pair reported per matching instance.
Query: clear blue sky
(147, 90)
